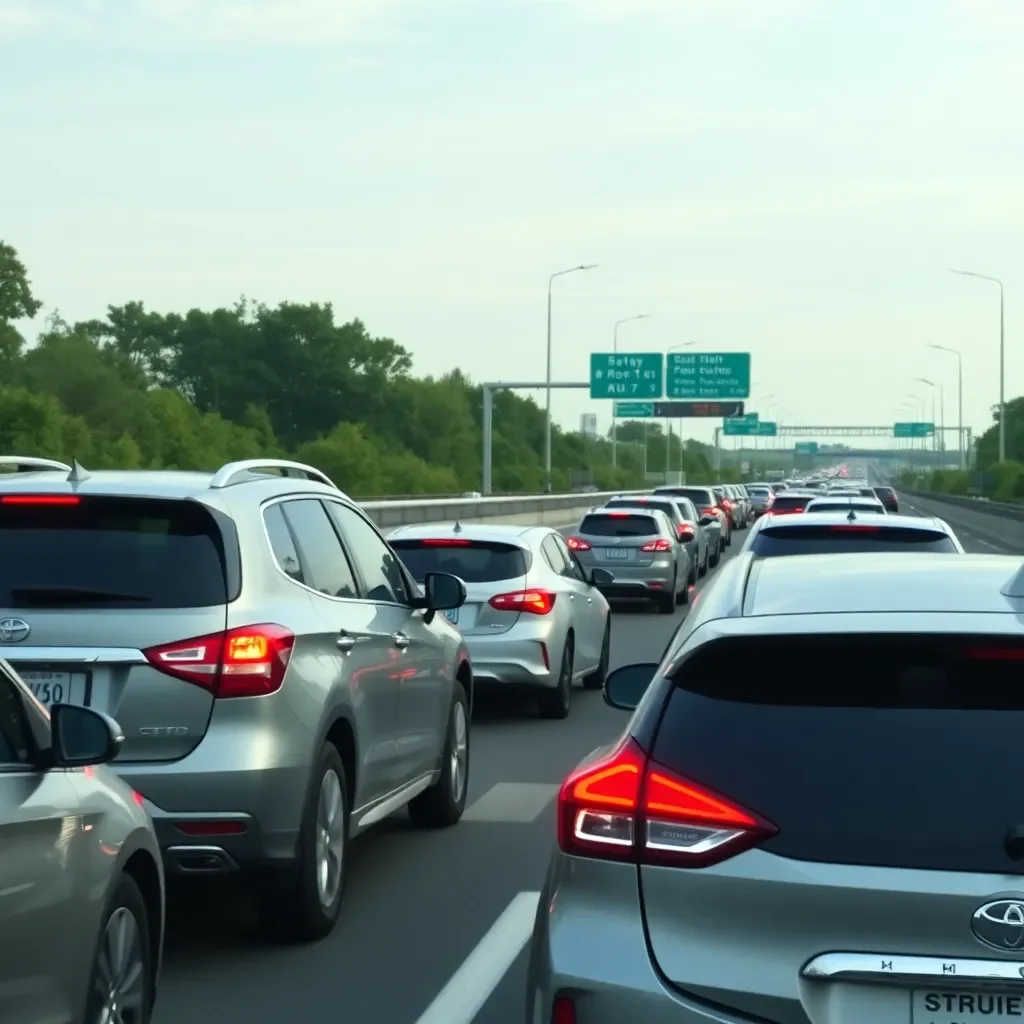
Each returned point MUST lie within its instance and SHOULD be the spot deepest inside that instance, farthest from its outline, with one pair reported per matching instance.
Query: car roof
(632, 509)
(883, 582)
(887, 522)
(486, 532)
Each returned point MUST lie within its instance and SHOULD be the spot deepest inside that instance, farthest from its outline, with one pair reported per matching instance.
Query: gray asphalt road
(418, 903)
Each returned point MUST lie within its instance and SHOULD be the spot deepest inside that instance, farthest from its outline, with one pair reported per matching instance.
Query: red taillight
(578, 544)
(445, 542)
(627, 807)
(618, 515)
(685, 532)
(709, 512)
(661, 544)
(726, 504)
(249, 661)
(534, 602)
(563, 1010)
(40, 499)
(232, 827)
(994, 654)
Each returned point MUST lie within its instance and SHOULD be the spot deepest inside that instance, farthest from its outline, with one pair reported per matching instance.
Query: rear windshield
(785, 501)
(845, 506)
(621, 525)
(472, 561)
(669, 508)
(110, 552)
(701, 497)
(885, 492)
(906, 747)
(819, 540)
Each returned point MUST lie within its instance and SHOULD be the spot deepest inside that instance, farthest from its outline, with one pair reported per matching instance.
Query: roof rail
(30, 464)
(242, 472)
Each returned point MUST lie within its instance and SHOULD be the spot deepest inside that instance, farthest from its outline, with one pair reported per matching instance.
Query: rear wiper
(39, 597)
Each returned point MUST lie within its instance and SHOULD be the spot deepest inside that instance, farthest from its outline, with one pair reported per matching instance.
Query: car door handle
(401, 641)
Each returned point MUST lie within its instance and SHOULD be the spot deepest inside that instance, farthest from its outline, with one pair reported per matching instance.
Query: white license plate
(55, 687)
(617, 553)
(946, 1007)
(452, 615)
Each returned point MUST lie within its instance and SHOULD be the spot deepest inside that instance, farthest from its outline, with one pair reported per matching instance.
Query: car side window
(377, 563)
(325, 566)
(575, 570)
(15, 735)
(282, 543)
(553, 555)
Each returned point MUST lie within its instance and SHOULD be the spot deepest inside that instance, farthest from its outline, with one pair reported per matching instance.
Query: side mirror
(443, 591)
(601, 578)
(82, 736)
(706, 520)
(624, 688)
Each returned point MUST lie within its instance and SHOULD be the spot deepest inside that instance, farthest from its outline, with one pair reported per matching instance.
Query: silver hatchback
(642, 552)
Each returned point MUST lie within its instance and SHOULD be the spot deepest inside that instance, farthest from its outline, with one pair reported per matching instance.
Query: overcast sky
(790, 178)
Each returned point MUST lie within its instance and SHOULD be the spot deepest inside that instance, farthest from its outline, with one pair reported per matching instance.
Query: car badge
(13, 630)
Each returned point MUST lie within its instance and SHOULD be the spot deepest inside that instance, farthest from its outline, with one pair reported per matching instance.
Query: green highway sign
(913, 429)
(627, 375)
(708, 375)
(806, 447)
(741, 425)
(766, 429)
(634, 410)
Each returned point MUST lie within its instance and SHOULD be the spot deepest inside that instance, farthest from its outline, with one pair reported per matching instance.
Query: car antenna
(852, 517)
(78, 473)
(457, 528)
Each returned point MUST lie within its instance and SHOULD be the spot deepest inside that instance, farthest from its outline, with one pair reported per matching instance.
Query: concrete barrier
(546, 509)
(998, 525)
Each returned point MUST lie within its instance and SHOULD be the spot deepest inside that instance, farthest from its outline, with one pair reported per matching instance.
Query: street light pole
(960, 400)
(547, 405)
(932, 385)
(1002, 356)
(615, 348)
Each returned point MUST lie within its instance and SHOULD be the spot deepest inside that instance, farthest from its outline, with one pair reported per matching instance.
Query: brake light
(618, 515)
(40, 499)
(627, 807)
(661, 544)
(854, 529)
(994, 654)
(248, 661)
(727, 504)
(685, 531)
(578, 544)
(533, 602)
(445, 542)
(709, 511)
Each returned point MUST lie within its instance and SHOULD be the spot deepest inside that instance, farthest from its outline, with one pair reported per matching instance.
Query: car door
(425, 672)
(39, 821)
(344, 653)
(590, 606)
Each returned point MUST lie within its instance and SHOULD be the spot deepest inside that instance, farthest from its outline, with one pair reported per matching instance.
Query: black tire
(691, 580)
(596, 678)
(703, 570)
(718, 554)
(441, 805)
(126, 908)
(555, 703)
(291, 907)
(727, 539)
(667, 602)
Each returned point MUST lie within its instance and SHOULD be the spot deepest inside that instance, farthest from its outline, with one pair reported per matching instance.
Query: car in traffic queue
(533, 616)
(855, 906)
(706, 503)
(790, 502)
(687, 521)
(816, 533)
(841, 503)
(740, 509)
(281, 681)
(641, 551)
(81, 877)
(762, 497)
(727, 505)
(888, 497)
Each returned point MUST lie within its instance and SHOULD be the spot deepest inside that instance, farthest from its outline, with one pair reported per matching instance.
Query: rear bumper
(512, 659)
(639, 581)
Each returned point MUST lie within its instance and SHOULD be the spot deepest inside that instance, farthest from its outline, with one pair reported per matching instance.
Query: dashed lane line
(511, 803)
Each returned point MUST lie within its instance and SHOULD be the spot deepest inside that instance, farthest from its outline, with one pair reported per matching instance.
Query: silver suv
(281, 681)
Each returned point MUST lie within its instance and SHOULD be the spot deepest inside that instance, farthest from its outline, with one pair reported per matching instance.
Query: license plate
(945, 1007)
(621, 553)
(452, 615)
(55, 687)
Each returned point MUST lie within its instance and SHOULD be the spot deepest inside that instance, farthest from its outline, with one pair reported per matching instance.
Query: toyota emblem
(13, 630)
(1000, 924)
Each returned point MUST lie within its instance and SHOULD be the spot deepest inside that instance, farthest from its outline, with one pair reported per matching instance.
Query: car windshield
(619, 524)
(471, 560)
(840, 538)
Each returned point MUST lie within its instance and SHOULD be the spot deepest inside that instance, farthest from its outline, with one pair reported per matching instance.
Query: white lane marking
(511, 803)
(470, 986)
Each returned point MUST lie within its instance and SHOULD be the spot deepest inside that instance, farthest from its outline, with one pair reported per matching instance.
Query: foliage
(142, 389)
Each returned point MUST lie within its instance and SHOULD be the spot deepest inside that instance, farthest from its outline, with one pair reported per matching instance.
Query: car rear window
(846, 505)
(885, 492)
(669, 508)
(700, 496)
(906, 747)
(818, 540)
(472, 561)
(621, 524)
(111, 553)
(791, 501)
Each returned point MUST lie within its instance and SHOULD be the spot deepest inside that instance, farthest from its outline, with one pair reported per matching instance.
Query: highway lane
(417, 902)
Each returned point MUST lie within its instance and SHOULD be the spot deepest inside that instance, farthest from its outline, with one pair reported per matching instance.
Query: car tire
(441, 805)
(596, 678)
(703, 570)
(667, 602)
(691, 580)
(299, 906)
(554, 703)
(123, 970)
(718, 554)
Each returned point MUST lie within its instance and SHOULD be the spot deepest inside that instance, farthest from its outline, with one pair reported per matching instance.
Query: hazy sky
(790, 178)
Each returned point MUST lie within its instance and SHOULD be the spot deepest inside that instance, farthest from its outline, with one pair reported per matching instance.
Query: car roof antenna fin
(79, 474)
(852, 517)
(457, 528)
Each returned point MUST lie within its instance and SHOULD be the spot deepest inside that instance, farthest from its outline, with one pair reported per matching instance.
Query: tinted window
(573, 567)
(899, 731)
(621, 525)
(376, 562)
(791, 501)
(885, 492)
(111, 553)
(325, 567)
(845, 506)
(282, 543)
(471, 561)
(817, 540)
(701, 497)
(15, 737)
(668, 507)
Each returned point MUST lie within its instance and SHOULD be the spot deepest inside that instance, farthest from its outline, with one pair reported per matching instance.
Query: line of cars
(766, 844)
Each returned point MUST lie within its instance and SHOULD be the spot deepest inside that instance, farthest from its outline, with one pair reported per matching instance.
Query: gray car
(81, 881)
(641, 550)
(282, 682)
(686, 521)
(712, 517)
(533, 615)
(775, 846)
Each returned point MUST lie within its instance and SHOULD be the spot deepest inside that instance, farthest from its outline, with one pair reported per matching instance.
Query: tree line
(144, 389)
